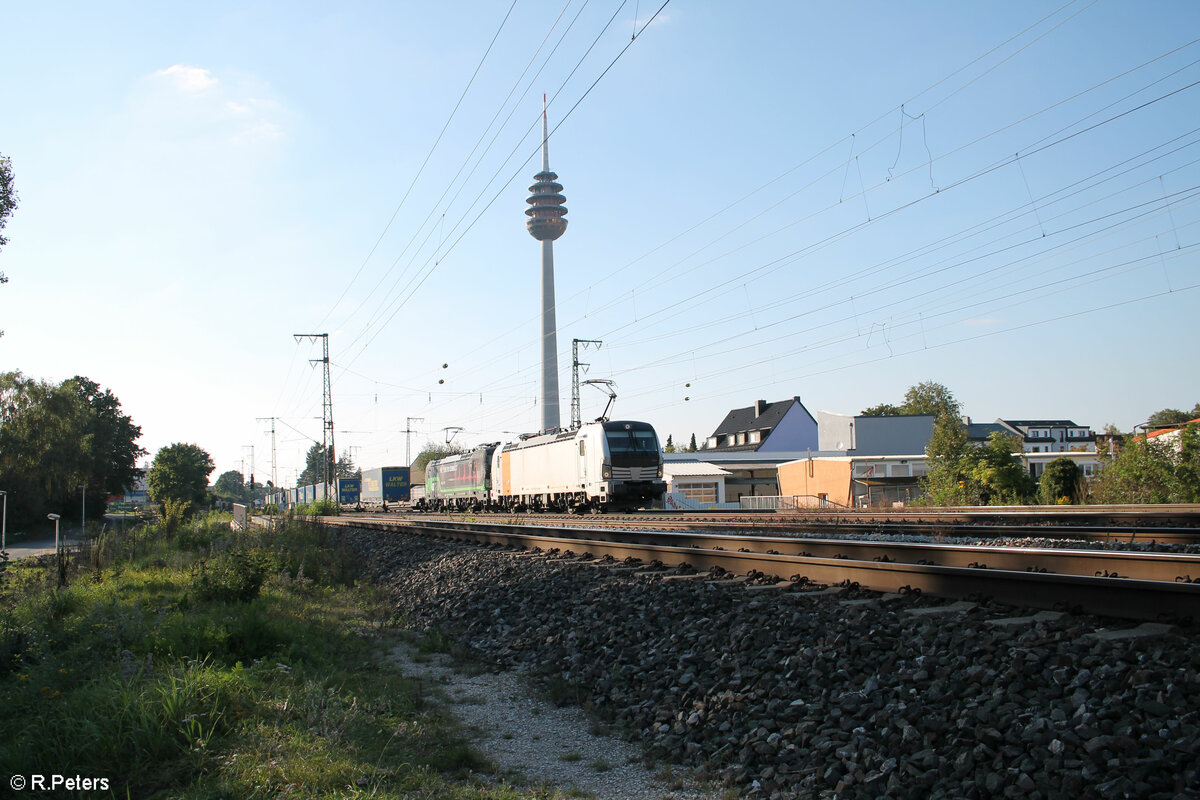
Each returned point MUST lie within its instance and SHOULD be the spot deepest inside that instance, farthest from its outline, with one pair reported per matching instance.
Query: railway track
(1174, 527)
(1107, 582)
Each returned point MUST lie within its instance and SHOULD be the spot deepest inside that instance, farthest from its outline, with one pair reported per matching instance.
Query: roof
(744, 419)
(1042, 423)
(1172, 429)
(982, 430)
(693, 469)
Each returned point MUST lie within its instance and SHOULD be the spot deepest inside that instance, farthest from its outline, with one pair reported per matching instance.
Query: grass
(200, 664)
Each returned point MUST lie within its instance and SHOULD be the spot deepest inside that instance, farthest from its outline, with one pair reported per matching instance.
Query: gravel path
(532, 741)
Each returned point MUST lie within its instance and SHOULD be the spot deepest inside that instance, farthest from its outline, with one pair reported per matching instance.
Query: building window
(1089, 470)
(755, 437)
(729, 440)
(711, 443)
(741, 438)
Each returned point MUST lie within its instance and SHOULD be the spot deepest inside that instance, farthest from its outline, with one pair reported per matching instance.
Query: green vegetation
(433, 451)
(315, 462)
(196, 662)
(55, 438)
(927, 397)
(1061, 483)
(1158, 470)
(179, 477)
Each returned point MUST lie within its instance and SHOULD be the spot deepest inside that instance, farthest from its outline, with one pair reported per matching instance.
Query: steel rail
(1120, 597)
(1169, 567)
(800, 523)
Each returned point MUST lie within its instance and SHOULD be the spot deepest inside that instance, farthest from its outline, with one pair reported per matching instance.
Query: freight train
(598, 466)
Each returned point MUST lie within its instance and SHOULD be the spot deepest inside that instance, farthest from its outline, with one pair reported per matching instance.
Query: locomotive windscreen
(631, 441)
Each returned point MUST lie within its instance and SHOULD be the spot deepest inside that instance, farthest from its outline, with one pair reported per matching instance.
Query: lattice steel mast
(328, 451)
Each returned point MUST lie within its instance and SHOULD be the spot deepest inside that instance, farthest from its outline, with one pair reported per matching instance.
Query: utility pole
(576, 421)
(408, 421)
(327, 446)
(274, 478)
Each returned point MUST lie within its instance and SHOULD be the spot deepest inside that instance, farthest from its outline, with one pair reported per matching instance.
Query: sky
(825, 200)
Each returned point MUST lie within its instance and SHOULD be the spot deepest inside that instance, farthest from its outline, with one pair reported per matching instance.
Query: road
(39, 546)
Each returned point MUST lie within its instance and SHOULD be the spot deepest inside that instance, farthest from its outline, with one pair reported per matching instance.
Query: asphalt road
(39, 546)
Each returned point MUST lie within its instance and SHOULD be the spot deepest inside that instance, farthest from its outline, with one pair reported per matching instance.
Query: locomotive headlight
(607, 474)
(660, 471)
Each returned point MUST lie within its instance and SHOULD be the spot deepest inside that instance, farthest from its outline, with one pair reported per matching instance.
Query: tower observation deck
(546, 223)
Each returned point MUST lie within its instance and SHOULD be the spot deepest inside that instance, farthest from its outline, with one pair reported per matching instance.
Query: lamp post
(54, 517)
(4, 523)
(83, 513)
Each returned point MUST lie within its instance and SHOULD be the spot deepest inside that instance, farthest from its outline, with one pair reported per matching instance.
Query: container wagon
(384, 485)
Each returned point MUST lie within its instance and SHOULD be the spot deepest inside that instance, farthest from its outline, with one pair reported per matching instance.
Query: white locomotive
(600, 465)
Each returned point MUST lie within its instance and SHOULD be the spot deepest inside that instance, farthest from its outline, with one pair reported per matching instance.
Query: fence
(789, 502)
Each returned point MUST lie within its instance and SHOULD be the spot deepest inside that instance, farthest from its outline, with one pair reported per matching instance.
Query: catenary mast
(546, 223)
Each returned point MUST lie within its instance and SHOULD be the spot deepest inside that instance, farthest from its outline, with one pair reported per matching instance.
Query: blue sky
(825, 200)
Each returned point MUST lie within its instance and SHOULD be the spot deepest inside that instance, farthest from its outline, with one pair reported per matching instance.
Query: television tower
(546, 223)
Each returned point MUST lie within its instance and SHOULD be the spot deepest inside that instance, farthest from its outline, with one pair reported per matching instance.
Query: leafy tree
(179, 474)
(926, 397)
(8, 199)
(1000, 476)
(691, 448)
(948, 480)
(110, 439)
(8, 203)
(882, 409)
(1152, 471)
(669, 447)
(1172, 416)
(1062, 482)
(230, 485)
(433, 451)
(42, 461)
(314, 466)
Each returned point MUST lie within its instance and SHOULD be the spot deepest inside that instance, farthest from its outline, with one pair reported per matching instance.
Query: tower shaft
(546, 223)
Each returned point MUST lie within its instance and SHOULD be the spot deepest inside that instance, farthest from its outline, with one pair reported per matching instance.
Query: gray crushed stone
(803, 694)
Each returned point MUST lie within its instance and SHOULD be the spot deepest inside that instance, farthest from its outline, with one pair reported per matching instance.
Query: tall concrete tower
(546, 223)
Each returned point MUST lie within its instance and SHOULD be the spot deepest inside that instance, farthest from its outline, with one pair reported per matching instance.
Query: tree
(8, 199)
(230, 485)
(8, 203)
(179, 474)
(926, 397)
(42, 461)
(669, 447)
(314, 466)
(882, 410)
(1172, 416)
(691, 448)
(110, 439)
(1062, 482)
(433, 451)
(948, 480)
(1000, 476)
(1158, 470)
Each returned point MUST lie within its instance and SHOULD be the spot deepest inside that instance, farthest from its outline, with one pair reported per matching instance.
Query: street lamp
(4, 522)
(83, 513)
(54, 517)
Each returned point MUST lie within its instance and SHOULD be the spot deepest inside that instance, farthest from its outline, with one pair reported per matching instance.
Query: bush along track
(793, 694)
(186, 661)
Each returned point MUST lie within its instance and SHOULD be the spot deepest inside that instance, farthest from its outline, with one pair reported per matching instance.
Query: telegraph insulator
(445, 365)
(441, 380)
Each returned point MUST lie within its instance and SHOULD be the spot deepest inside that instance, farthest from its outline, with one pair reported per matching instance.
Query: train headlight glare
(607, 474)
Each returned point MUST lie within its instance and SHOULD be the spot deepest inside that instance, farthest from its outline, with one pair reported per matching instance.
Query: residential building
(784, 426)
